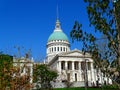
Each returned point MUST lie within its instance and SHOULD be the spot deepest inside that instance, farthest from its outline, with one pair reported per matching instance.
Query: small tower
(57, 42)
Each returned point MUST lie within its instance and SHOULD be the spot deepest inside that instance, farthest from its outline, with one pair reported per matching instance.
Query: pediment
(72, 53)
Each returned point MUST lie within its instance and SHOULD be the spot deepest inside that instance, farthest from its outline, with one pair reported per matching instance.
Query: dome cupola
(58, 34)
(57, 42)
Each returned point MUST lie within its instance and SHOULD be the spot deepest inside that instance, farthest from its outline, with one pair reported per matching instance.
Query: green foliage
(11, 75)
(43, 76)
(6, 62)
(104, 15)
(110, 86)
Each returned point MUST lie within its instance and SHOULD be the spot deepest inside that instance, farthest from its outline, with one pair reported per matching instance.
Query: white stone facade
(55, 47)
(25, 65)
(71, 65)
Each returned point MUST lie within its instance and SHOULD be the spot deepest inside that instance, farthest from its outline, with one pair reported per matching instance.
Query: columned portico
(76, 66)
(71, 65)
(73, 68)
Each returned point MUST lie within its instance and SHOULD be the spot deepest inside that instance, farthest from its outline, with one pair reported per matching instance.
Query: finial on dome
(57, 24)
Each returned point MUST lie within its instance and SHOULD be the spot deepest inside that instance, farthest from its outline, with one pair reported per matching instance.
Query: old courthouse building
(70, 64)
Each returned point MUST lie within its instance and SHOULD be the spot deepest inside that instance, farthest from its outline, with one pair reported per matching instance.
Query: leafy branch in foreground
(43, 76)
(104, 15)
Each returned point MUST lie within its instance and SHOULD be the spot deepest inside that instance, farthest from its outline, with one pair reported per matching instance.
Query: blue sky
(29, 23)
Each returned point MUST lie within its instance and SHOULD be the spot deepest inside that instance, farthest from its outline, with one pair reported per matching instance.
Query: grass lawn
(82, 89)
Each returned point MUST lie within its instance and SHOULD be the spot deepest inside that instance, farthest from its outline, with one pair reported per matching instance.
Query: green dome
(57, 35)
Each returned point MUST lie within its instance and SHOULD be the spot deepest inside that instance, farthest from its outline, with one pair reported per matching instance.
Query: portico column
(72, 65)
(80, 66)
(66, 65)
(92, 72)
(58, 66)
(80, 76)
(73, 74)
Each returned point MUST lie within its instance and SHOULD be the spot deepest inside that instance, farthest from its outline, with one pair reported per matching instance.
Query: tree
(104, 15)
(22, 70)
(43, 76)
(21, 74)
(66, 81)
(11, 76)
(6, 62)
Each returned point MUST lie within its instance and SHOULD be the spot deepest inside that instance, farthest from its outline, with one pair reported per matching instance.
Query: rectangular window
(64, 49)
(52, 49)
(61, 48)
(69, 65)
(63, 65)
(57, 48)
